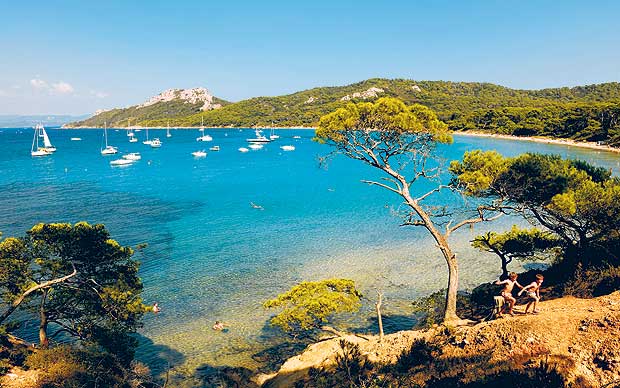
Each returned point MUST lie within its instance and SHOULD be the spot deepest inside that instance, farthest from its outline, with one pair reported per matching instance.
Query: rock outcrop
(189, 96)
(369, 93)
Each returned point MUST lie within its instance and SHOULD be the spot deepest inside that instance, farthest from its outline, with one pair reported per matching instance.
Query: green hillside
(585, 112)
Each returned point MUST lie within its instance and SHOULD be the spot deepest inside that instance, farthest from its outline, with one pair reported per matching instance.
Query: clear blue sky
(77, 56)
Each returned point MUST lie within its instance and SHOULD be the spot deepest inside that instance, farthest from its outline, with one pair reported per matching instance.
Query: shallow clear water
(211, 256)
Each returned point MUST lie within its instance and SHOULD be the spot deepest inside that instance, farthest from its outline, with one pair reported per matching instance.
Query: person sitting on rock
(533, 292)
(507, 292)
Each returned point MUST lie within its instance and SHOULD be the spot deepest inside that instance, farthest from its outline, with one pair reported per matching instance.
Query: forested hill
(463, 105)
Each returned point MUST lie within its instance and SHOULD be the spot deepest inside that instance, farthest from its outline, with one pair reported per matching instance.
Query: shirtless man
(533, 292)
(507, 291)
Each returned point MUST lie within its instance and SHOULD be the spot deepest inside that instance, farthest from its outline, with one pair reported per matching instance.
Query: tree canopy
(76, 280)
(577, 202)
(308, 305)
(532, 244)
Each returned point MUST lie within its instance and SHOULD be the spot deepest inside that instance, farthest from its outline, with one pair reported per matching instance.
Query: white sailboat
(133, 139)
(108, 150)
(36, 150)
(203, 137)
(273, 135)
(46, 140)
(129, 128)
(168, 130)
(147, 141)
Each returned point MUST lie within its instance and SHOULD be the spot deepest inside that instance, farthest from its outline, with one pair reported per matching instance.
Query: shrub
(421, 352)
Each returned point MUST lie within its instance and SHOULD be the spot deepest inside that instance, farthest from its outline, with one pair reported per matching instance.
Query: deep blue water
(210, 255)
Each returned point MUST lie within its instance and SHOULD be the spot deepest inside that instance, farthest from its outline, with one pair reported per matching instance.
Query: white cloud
(38, 83)
(62, 87)
(98, 94)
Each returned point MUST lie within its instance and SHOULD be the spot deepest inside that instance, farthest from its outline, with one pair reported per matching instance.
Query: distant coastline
(540, 139)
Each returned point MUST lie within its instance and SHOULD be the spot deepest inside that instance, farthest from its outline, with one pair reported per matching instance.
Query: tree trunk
(504, 268)
(379, 319)
(43, 341)
(453, 268)
(32, 289)
(453, 286)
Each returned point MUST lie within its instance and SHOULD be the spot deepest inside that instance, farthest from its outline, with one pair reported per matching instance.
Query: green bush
(421, 352)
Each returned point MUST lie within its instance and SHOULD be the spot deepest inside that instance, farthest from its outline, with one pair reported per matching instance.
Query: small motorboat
(296, 137)
(288, 148)
(243, 149)
(76, 138)
(156, 143)
(120, 162)
(199, 154)
(260, 138)
(255, 146)
(109, 150)
(132, 156)
(214, 148)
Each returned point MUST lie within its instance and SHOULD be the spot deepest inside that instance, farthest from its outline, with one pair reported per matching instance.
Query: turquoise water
(211, 256)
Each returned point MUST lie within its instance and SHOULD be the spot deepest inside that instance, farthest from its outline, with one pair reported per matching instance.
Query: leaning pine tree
(400, 141)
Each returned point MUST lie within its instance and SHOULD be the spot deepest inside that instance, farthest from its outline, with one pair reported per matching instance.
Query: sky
(74, 57)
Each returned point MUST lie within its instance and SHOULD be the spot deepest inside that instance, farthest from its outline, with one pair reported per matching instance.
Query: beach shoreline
(547, 140)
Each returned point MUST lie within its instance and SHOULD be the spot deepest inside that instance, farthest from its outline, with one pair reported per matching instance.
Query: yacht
(108, 150)
(156, 143)
(255, 146)
(46, 140)
(147, 141)
(199, 154)
(129, 128)
(260, 138)
(121, 162)
(214, 148)
(288, 148)
(203, 136)
(243, 149)
(132, 156)
(37, 150)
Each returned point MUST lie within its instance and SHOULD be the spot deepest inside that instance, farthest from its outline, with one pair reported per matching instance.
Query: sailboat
(35, 150)
(108, 150)
(168, 130)
(273, 135)
(133, 139)
(46, 140)
(129, 128)
(147, 141)
(203, 137)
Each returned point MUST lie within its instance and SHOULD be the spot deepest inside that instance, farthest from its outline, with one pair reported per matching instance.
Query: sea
(231, 230)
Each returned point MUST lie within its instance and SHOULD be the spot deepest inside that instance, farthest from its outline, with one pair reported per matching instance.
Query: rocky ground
(581, 335)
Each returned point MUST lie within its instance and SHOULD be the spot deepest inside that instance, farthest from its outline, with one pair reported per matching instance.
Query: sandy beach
(548, 140)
